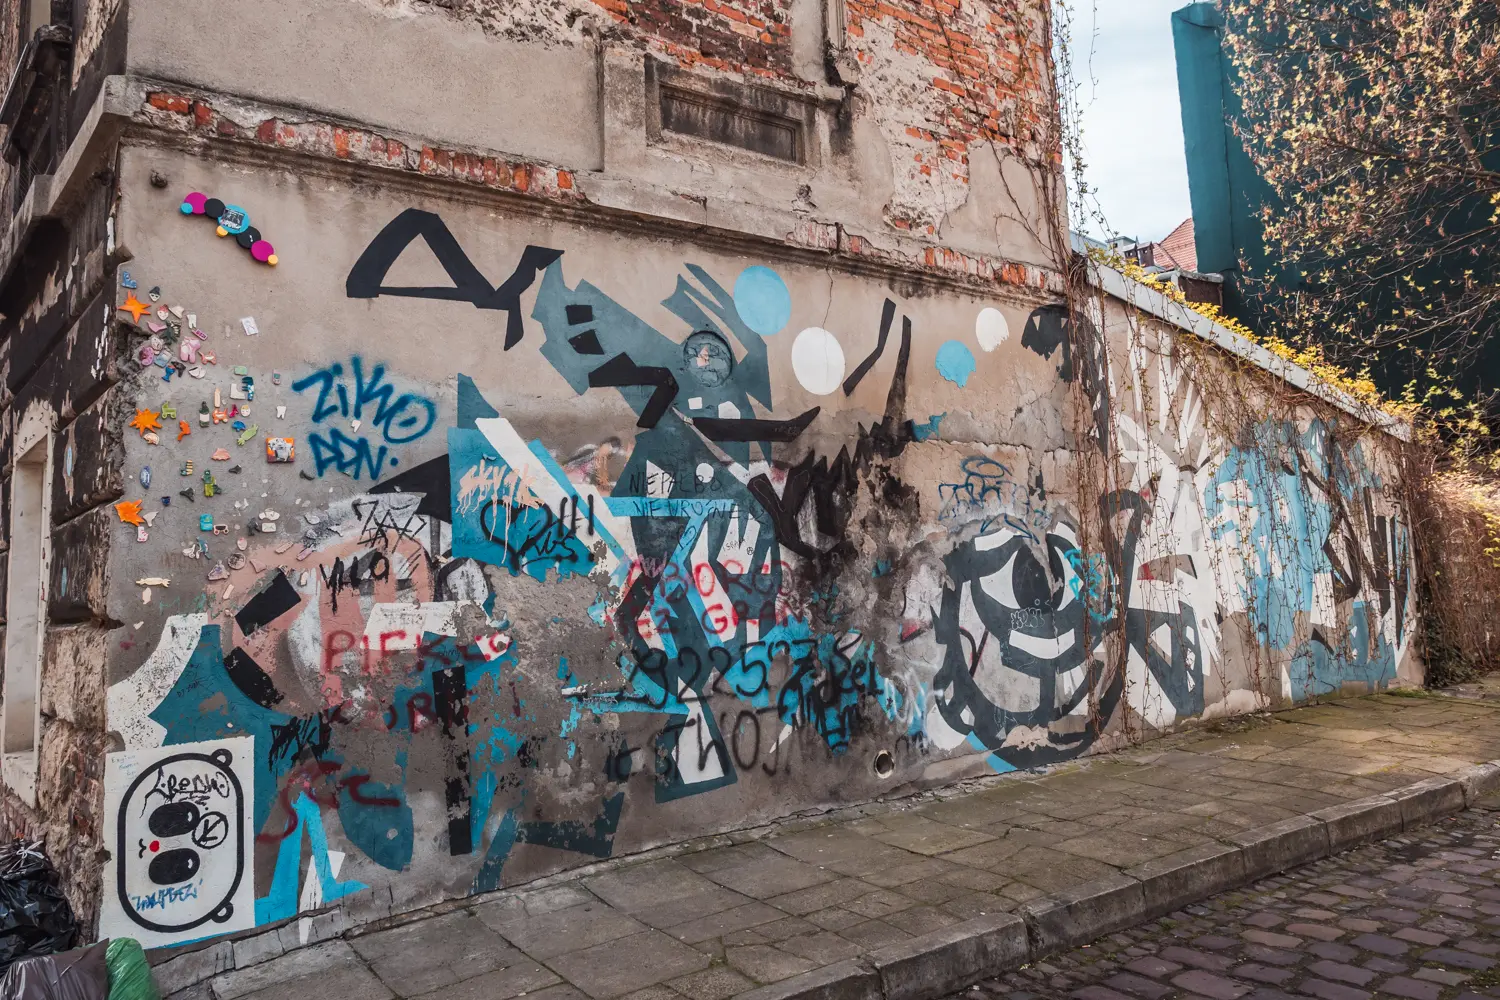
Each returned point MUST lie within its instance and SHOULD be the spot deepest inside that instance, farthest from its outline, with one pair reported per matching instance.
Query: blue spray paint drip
(575, 714)
(282, 899)
(529, 539)
(504, 744)
(955, 362)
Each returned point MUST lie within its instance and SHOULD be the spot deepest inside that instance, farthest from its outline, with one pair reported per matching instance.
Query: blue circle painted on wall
(955, 362)
(762, 300)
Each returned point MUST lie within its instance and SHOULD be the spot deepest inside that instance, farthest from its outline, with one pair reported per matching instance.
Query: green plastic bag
(129, 975)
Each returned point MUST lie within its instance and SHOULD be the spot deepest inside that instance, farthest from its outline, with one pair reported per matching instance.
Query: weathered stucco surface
(890, 148)
(652, 572)
(644, 486)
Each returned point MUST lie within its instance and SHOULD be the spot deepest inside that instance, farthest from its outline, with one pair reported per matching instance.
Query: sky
(1132, 123)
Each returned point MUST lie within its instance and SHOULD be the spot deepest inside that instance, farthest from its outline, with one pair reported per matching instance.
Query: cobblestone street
(1414, 917)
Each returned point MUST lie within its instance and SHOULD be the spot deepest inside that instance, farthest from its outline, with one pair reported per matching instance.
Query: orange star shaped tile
(183, 430)
(135, 307)
(130, 512)
(146, 420)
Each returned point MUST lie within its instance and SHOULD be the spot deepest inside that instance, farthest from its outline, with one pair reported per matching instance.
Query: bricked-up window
(20, 718)
(687, 113)
(729, 113)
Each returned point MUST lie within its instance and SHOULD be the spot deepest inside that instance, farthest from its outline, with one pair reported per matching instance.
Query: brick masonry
(268, 128)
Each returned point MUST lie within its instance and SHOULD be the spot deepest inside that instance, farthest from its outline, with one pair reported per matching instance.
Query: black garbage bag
(35, 918)
(72, 975)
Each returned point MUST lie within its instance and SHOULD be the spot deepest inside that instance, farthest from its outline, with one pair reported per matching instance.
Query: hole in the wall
(885, 764)
(707, 357)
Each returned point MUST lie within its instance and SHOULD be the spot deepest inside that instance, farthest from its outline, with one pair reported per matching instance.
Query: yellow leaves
(1309, 358)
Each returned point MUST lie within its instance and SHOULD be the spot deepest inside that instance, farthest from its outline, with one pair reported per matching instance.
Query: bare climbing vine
(1442, 528)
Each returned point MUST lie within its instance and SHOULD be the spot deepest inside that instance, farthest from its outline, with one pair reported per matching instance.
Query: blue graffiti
(955, 362)
(370, 403)
(351, 456)
(829, 684)
(206, 702)
(762, 300)
(989, 491)
(166, 896)
(282, 900)
(1299, 506)
(928, 430)
(497, 519)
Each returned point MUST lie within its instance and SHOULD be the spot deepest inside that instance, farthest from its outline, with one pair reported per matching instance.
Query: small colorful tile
(280, 450)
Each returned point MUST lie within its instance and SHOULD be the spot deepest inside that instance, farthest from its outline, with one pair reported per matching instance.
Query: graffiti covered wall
(473, 546)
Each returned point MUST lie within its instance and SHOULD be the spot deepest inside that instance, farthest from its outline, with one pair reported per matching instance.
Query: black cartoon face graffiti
(1015, 637)
(180, 843)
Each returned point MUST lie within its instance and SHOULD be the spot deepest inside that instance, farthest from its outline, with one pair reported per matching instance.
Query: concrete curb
(949, 960)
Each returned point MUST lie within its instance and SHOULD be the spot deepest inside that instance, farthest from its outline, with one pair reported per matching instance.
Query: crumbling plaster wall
(723, 534)
(313, 334)
(58, 363)
(930, 120)
(1272, 549)
(93, 20)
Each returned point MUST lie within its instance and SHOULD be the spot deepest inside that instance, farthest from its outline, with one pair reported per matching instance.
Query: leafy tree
(1377, 124)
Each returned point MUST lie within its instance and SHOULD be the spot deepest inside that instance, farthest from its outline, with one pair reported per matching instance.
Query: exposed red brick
(172, 112)
(169, 102)
(988, 58)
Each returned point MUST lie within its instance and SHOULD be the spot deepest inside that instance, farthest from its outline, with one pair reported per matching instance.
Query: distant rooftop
(1178, 251)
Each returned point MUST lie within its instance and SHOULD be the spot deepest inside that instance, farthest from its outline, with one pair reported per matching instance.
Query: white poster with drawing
(181, 863)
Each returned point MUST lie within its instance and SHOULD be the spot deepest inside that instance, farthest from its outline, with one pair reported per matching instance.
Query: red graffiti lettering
(335, 645)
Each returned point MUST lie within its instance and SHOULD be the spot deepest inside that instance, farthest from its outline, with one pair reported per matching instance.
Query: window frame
(33, 457)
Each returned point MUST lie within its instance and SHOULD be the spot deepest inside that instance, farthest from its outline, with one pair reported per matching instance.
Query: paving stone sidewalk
(1417, 917)
(783, 909)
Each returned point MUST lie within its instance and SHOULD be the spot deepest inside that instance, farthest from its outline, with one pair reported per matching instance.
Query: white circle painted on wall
(818, 361)
(990, 328)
